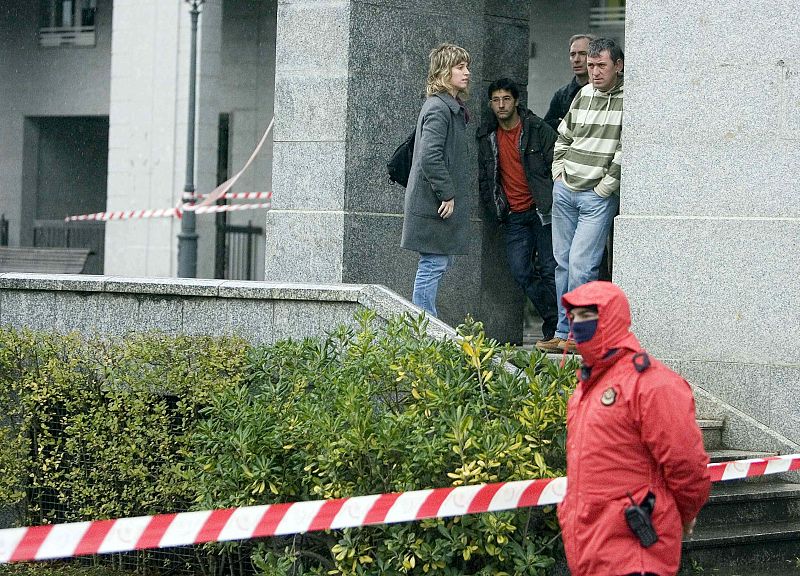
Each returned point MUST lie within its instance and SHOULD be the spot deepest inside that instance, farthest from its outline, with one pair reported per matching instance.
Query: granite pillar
(708, 242)
(350, 75)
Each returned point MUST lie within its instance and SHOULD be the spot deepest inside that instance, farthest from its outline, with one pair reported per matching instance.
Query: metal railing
(237, 251)
(3, 230)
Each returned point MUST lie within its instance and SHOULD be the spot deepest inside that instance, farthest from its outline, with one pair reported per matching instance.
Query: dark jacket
(631, 430)
(559, 104)
(440, 171)
(536, 142)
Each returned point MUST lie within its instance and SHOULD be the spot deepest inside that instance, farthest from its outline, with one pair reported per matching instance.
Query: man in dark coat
(559, 105)
(515, 152)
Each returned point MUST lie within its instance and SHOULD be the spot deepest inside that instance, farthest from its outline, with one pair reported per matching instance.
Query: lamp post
(187, 239)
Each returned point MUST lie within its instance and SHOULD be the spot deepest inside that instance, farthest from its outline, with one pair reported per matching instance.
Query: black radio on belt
(639, 519)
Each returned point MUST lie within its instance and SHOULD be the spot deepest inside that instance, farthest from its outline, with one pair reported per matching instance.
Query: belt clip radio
(639, 519)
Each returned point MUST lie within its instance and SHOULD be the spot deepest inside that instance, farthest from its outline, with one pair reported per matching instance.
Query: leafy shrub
(98, 429)
(151, 423)
(57, 569)
(362, 412)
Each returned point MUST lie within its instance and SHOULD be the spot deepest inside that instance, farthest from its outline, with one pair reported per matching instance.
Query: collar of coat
(454, 105)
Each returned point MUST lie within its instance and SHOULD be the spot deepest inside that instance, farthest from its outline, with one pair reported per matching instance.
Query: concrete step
(736, 544)
(791, 568)
(727, 454)
(712, 433)
(748, 502)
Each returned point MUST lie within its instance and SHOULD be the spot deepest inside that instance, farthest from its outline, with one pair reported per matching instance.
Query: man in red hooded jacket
(631, 433)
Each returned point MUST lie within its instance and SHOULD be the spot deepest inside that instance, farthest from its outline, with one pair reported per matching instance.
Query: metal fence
(237, 251)
(3, 230)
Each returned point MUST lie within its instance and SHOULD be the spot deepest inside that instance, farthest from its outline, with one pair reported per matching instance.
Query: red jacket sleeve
(669, 430)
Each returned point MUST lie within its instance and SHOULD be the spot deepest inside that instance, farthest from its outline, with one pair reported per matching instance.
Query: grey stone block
(736, 384)
(373, 255)
(79, 282)
(27, 309)
(308, 175)
(160, 314)
(368, 188)
(304, 246)
(784, 399)
(310, 107)
(746, 177)
(204, 316)
(291, 291)
(163, 286)
(775, 432)
(312, 319)
(697, 29)
(312, 36)
(712, 289)
(115, 314)
(75, 312)
(388, 304)
(508, 37)
(253, 320)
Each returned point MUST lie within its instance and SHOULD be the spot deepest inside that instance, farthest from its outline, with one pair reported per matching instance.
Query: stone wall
(260, 312)
(350, 75)
(708, 242)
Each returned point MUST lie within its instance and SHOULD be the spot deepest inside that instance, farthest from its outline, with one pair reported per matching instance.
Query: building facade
(706, 244)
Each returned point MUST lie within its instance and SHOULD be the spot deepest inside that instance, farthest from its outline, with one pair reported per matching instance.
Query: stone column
(708, 243)
(148, 127)
(350, 75)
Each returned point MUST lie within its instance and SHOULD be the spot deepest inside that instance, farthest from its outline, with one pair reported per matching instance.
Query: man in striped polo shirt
(586, 176)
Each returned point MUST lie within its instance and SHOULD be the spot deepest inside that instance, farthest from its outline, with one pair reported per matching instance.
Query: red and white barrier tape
(221, 190)
(242, 196)
(187, 528)
(178, 210)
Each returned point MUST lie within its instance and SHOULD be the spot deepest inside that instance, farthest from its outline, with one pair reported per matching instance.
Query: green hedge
(153, 423)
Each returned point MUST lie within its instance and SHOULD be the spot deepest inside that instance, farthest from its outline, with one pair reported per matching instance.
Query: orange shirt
(512, 175)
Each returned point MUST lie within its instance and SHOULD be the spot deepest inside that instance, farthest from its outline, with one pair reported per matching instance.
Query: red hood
(614, 322)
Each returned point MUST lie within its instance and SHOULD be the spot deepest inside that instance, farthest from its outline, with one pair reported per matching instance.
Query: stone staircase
(748, 527)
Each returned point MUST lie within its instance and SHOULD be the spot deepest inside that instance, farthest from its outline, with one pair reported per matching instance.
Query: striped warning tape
(179, 210)
(186, 528)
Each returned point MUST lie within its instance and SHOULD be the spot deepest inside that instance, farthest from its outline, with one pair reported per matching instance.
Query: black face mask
(584, 331)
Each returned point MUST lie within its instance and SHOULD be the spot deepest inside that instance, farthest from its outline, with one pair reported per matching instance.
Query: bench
(43, 260)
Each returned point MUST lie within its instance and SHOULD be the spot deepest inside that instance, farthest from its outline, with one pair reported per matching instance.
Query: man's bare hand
(447, 207)
(688, 528)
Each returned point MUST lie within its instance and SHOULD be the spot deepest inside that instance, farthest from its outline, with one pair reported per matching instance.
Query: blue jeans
(529, 250)
(581, 221)
(430, 270)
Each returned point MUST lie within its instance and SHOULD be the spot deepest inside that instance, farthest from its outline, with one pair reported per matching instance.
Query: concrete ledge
(260, 312)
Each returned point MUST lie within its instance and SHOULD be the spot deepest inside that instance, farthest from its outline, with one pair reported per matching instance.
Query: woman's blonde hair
(443, 58)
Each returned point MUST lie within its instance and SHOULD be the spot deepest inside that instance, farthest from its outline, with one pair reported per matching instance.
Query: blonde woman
(436, 222)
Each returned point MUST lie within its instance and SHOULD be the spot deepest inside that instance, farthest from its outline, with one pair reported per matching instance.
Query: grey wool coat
(439, 171)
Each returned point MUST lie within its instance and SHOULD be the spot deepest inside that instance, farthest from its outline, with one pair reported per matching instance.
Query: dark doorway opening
(70, 156)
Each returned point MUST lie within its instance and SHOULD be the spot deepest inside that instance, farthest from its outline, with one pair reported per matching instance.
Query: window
(67, 23)
(607, 14)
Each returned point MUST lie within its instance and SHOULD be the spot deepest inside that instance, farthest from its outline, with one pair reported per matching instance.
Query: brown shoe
(569, 345)
(549, 346)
